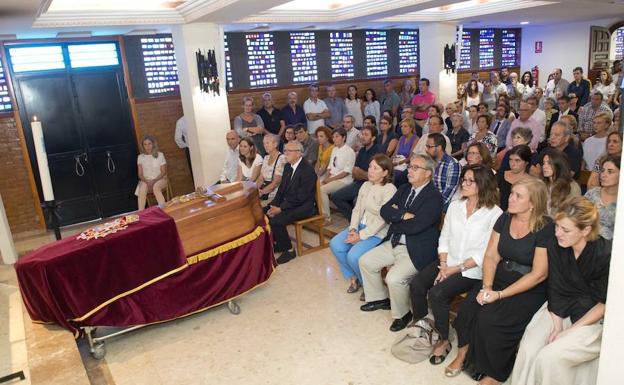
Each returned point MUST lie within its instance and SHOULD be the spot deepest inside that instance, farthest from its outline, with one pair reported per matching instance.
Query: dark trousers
(344, 199)
(188, 159)
(279, 223)
(464, 322)
(440, 295)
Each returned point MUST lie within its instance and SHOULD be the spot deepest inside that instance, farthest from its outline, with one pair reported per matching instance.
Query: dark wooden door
(89, 139)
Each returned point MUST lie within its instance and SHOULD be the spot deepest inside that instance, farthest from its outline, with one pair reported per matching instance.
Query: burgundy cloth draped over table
(136, 276)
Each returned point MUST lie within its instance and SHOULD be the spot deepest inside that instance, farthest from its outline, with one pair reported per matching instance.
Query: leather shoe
(384, 304)
(286, 256)
(401, 323)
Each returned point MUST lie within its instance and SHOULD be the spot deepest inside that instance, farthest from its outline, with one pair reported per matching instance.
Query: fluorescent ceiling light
(524, 22)
(317, 5)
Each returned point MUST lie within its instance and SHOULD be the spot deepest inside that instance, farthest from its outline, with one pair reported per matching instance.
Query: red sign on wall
(538, 47)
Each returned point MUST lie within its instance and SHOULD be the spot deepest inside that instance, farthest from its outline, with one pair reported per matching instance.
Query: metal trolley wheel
(233, 307)
(98, 351)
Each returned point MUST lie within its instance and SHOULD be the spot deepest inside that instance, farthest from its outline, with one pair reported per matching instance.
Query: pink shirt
(427, 99)
(537, 129)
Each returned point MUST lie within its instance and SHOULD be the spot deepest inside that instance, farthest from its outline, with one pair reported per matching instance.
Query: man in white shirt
(230, 166)
(181, 139)
(353, 140)
(556, 83)
(315, 110)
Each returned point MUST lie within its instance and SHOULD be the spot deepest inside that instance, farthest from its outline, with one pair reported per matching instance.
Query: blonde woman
(152, 172)
(561, 345)
(491, 321)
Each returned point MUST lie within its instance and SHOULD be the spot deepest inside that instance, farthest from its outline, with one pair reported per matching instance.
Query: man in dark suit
(564, 109)
(412, 242)
(295, 199)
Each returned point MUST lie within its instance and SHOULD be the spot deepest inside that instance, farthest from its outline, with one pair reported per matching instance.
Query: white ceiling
(44, 18)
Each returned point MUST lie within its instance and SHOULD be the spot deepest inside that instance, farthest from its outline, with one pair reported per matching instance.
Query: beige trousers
(332, 187)
(158, 187)
(397, 279)
(570, 360)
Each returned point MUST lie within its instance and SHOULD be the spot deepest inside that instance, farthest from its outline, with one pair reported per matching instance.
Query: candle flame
(35, 118)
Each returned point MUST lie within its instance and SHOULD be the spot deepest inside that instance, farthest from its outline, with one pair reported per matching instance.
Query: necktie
(395, 239)
(497, 127)
(410, 198)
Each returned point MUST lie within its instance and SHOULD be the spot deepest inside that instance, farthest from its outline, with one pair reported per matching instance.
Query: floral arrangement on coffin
(107, 228)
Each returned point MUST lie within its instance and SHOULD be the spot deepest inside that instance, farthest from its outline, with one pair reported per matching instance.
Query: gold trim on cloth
(226, 246)
(190, 261)
(115, 298)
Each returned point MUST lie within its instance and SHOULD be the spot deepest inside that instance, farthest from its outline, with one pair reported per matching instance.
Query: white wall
(207, 115)
(564, 46)
(433, 37)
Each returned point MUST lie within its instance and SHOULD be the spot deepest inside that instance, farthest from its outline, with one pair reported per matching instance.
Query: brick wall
(158, 118)
(14, 185)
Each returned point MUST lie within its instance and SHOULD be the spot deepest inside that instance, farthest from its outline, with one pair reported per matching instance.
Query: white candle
(42, 160)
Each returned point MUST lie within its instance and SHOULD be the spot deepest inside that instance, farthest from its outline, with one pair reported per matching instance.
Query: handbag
(415, 344)
(265, 197)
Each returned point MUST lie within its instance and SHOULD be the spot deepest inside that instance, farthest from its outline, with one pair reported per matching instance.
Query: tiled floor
(300, 328)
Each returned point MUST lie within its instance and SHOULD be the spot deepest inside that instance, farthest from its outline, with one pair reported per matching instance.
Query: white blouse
(354, 108)
(247, 171)
(151, 165)
(342, 159)
(464, 238)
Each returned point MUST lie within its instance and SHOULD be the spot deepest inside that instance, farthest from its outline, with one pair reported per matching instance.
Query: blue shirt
(337, 109)
(298, 116)
(446, 178)
(581, 91)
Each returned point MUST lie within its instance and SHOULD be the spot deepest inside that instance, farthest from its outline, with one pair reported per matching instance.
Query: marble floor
(299, 328)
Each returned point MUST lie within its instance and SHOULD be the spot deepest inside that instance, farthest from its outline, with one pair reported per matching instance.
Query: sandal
(437, 360)
(353, 287)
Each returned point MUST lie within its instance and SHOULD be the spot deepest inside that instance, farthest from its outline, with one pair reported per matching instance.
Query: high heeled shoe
(452, 372)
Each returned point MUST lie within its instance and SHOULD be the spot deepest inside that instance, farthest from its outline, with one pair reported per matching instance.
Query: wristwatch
(462, 267)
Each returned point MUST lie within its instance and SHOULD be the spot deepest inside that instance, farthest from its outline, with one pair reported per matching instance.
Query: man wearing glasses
(295, 199)
(411, 244)
(448, 169)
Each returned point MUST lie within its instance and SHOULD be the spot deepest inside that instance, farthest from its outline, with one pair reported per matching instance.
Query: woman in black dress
(519, 163)
(561, 345)
(491, 321)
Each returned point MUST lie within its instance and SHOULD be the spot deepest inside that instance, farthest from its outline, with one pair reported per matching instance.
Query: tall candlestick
(42, 160)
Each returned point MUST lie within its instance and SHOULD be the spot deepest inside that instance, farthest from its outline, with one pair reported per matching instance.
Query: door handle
(80, 170)
(110, 163)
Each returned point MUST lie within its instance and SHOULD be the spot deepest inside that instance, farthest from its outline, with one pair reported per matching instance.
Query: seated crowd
(483, 198)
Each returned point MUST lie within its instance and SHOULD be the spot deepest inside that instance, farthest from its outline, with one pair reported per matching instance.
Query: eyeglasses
(431, 145)
(414, 168)
(468, 182)
(288, 150)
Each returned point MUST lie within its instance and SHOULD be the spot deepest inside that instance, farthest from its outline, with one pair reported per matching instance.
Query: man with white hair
(293, 113)
(295, 199)
(336, 106)
(271, 117)
(230, 165)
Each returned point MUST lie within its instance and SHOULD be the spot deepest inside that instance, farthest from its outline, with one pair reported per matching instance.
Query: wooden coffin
(230, 211)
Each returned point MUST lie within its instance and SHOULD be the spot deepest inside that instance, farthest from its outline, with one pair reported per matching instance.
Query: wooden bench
(317, 222)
